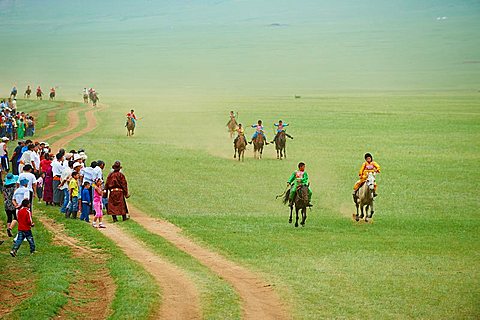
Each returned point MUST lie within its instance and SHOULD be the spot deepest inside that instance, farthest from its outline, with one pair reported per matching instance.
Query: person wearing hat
(4, 154)
(14, 159)
(57, 169)
(369, 166)
(116, 189)
(9, 186)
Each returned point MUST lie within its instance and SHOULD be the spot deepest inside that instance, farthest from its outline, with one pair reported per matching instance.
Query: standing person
(8, 190)
(4, 154)
(48, 185)
(97, 203)
(116, 189)
(89, 175)
(72, 209)
(19, 195)
(15, 156)
(57, 169)
(32, 181)
(25, 225)
(86, 202)
(63, 187)
(20, 129)
(40, 182)
(26, 158)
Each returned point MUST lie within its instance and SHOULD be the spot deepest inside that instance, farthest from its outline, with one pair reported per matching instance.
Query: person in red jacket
(25, 224)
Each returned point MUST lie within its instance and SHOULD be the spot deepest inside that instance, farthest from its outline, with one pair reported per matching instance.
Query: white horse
(364, 198)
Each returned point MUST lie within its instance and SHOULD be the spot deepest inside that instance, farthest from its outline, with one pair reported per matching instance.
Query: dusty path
(180, 297)
(73, 121)
(258, 298)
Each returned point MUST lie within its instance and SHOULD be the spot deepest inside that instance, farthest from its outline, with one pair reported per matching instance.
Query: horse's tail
(286, 197)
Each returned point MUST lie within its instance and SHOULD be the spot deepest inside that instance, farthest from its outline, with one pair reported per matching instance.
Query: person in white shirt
(57, 169)
(36, 160)
(63, 187)
(4, 153)
(32, 182)
(26, 158)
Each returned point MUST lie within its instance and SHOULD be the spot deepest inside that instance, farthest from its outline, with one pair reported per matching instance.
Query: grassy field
(418, 259)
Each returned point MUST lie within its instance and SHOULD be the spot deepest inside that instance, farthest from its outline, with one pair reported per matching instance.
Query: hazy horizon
(239, 47)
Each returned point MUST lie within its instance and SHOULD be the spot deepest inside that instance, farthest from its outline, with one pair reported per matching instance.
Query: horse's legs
(285, 153)
(291, 211)
(361, 212)
(235, 154)
(278, 154)
(356, 216)
(304, 216)
(371, 211)
(296, 216)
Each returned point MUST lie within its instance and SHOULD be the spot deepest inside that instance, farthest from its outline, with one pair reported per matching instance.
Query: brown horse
(39, 94)
(130, 127)
(232, 126)
(364, 198)
(52, 95)
(28, 92)
(94, 98)
(300, 201)
(240, 144)
(258, 144)
(280, 143)
(85, 98)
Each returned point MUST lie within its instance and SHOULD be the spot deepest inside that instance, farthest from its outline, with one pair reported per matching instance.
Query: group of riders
(90, 94)
(300, 177)
(28, 92)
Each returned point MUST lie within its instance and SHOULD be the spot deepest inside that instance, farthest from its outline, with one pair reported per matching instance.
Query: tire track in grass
(180, 297)
(258, 298)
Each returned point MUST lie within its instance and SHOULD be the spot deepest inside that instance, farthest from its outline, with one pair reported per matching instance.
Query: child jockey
(241, 134)
(259, 130)
(299, 177)
(368, 166)
(280, 127)
(131, 115)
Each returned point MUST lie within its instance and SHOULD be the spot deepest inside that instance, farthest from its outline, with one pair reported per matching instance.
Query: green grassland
(418, 259)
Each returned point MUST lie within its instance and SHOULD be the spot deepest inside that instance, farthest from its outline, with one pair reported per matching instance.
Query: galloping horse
(94, 98)
(300, 201)
(85, 98)
(258, 144)
(232, 126)
(39, 94)
(280, 142)
(52, 95)
(130, 127)
(364, 198)
(240, 146)
(28, 92)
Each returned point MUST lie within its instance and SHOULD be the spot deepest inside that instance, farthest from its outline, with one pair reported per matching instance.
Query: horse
(94, 98)
(280, 143)
(39, 95)
(52, 95)
(232, 127)
(85, 98)
(240, 145)
(258, 144)
(300, 201)
(130, 127)
(27, 93)
(364, 198)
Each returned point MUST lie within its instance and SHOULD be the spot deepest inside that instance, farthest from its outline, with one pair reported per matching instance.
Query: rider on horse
(241, 134)
(259, 130)
(298, 178)
(131, 115)
(369, 166)
(280, 128)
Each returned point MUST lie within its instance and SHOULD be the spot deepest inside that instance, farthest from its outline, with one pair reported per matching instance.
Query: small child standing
(72, 208)
(40, 186)
(97, 203)
(25, 225)
(86, 202)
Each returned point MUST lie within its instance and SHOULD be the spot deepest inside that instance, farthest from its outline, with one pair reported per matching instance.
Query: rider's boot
(375, 193)
(309, 204)
(288, 135)
(250, 142)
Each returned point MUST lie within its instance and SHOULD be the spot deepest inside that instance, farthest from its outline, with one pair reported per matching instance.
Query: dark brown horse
(28, 92)
(52, 95)
(130, 127)
(300, 201)
(94, 98)
(240, 145)
(258, 144)
(39, 94)
(280, 143)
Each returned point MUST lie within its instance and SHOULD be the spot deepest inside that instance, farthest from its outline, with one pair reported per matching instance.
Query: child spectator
(40, 187)
(10, 210)
(73, 194)
(86, 202)
(97, 203)
(19, 195)
(25, 225)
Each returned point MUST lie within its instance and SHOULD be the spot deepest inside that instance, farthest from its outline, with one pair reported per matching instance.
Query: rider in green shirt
(299, 177)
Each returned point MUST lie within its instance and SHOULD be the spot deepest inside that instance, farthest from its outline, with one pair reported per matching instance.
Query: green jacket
(295, 181)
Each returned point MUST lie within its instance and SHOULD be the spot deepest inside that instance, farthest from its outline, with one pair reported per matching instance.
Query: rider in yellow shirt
(368, 166)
